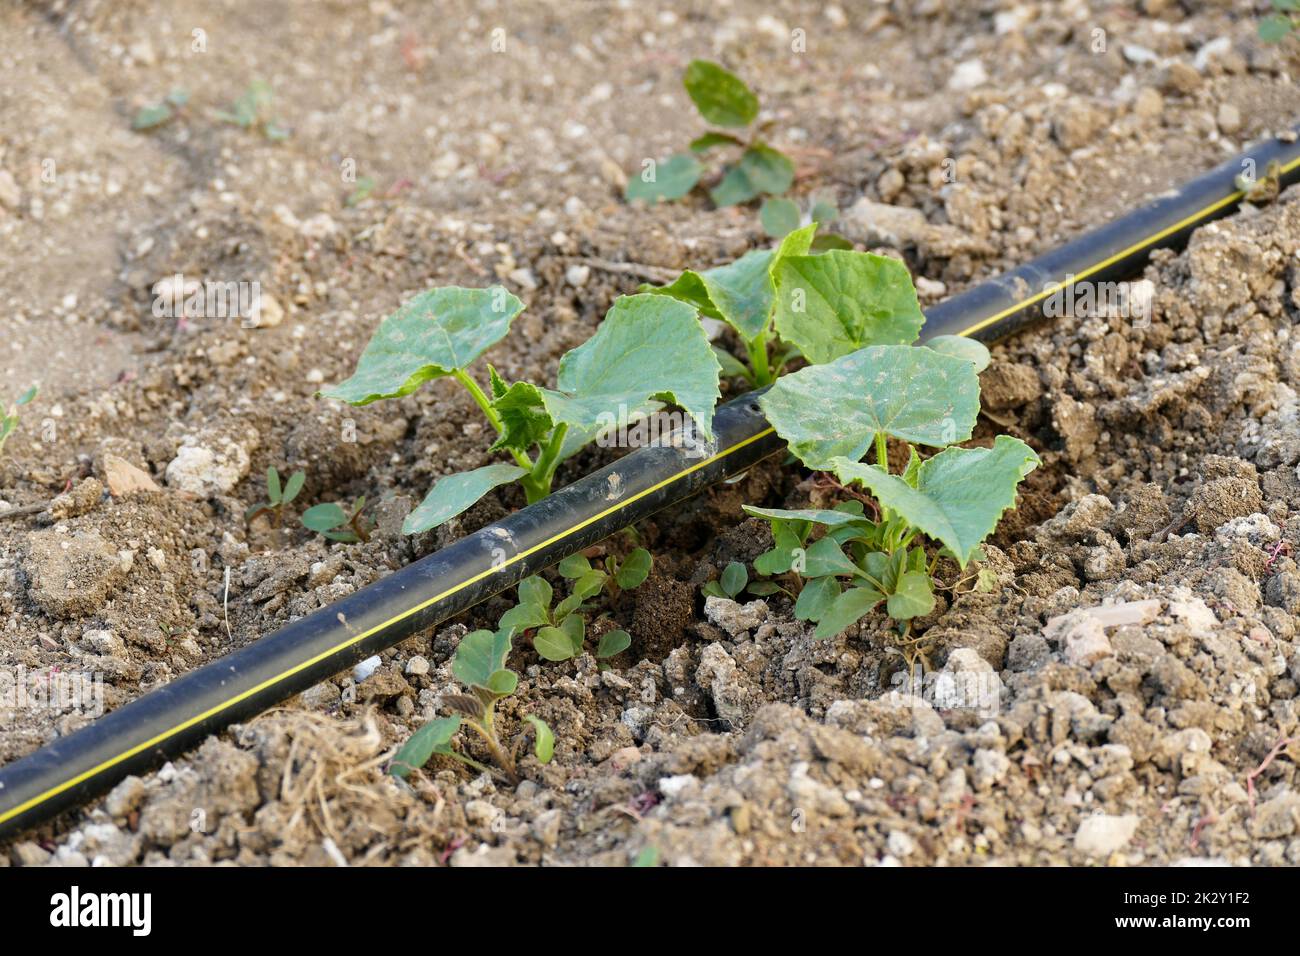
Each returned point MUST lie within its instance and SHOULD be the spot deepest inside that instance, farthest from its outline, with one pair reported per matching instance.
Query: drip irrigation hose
(167, 721)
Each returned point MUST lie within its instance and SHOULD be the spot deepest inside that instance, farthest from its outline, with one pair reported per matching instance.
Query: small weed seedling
(724, 100)
(278, 496)
(616, 576)
(162, 112)
(560, 632)
(252, 111)
(780, 217)
(1283, 22)
(9, 420)
(601, 384)
(479, 664)
(332, 521)
(734, 579)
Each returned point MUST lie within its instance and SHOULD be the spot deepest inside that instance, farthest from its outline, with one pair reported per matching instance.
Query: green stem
(483, 402)
(537, 483)
(757, 350)
(882, 452)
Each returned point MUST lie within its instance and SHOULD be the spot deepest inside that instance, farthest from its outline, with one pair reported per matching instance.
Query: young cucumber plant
(559, 633)
(9, 419)
(334, 522)
(479, 664)
(723, 100)
(278, 495)
(650, 349)
(831, 417)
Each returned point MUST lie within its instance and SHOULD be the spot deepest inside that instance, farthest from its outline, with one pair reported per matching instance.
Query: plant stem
(506, 764)
(547, 461)
(757, 350)
(483, 402)
(882, 452)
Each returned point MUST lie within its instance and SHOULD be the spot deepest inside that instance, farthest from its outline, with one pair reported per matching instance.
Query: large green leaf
(761, 170)
(721, 97)
(434, 737)
(479, 655)
(740, 293)
(838, 302)
(820, 515)
(434, 334)
(853, 604)
(834, 410)
(670, 179)
(453, 494)
(648, 349)
(960, 495)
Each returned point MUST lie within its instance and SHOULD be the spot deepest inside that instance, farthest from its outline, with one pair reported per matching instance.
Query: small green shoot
(334, 522)
(780, 217)
(723, 100)
(479, 664)
(730, 583)
(559, 633)
(252, 111)
(9, 420)
(278, 496)
(160, 113)
(625, 575)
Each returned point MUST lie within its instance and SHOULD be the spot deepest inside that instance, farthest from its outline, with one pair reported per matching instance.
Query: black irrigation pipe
(167, 721)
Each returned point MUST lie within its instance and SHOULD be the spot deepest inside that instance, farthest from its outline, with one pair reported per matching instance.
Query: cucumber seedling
(278, 496)
(723, 99)
(1282, 23)
(160, 113)
(616, 575)
(559, 633)
(854, 316)
(252, 111)
(9, 420)
(479, 664)
(650, 349)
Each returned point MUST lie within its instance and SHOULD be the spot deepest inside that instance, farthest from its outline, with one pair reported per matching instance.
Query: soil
(1138, 657)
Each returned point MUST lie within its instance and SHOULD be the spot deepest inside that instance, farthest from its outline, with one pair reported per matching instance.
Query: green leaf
(436, 333)
(913, 597)
(732, 367)
(742, 292)
(960, 495)
(824, 211)
(153, 116)
(589, 584)
(293, 486)
(779, 217)
(523, 617)
(721, 97)
(273, 490)
(613, 642)
(702, 144)
(670, 179)
(434, 737)
(851, 606)
(544, 746)
(819, 515)
(824, 556)
(765, 588)
(523, 415)
(503, 682)
(574, 566)
(832, 304)
(607, 376)
(1274, 28)
(734, 578)
(536, 591)
(634, 569)
(553, 644)
(576, 628)
(959, 346)
(761, 169)
(816, 598)
(26, 397)
(479, 655)
(713, 589)
(453, 494)
(835, 410)
(324, 517)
